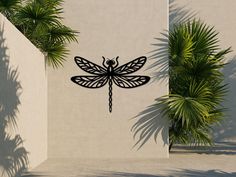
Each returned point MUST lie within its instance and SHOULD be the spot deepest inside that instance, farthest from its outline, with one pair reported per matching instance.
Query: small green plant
(41, 22)
(196, 84)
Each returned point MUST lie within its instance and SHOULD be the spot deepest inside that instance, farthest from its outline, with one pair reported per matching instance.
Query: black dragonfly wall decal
(111, 73)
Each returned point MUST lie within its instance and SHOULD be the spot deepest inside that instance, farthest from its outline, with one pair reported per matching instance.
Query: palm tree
(41, 22)
(196, 85)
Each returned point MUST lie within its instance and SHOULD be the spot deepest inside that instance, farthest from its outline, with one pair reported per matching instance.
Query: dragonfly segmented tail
(110, 95)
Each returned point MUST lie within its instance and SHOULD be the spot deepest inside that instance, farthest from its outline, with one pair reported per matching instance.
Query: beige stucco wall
(80, 124)
(27, 63)
(221, 15)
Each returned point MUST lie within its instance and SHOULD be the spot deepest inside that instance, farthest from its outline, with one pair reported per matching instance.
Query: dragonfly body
(110, 73)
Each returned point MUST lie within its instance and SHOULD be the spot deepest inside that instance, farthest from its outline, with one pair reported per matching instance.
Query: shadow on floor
(35, 174)
(161, 173)
(201, 173)
(220, 148)
(180, 173)
(121, 174)
(99, 174)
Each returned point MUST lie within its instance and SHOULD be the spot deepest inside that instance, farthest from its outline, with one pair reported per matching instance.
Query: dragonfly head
(110, 62)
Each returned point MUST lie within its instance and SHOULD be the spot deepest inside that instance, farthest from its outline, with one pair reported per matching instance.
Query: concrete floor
(183, 162)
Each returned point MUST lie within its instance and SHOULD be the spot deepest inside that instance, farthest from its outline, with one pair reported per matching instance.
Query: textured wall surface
(23, 88)
(221, 15)
(80, 124)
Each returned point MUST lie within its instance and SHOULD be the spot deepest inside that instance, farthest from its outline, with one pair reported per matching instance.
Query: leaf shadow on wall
(159, 56)
(227, 130)
(13, 156)
(150, 122)
(179, 14)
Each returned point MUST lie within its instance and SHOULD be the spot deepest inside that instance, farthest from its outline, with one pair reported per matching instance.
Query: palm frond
(36, 18)
(205, 37)
(8, 7)
(50, 3)
(55, 54)
(180, 46)
(61, 33)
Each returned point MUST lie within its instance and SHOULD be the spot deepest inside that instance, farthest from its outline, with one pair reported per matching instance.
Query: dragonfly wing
(89, 66)
(130, 81)
(90, 81)
(131, 66)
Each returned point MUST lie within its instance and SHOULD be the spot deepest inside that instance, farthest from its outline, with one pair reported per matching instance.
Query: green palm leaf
(56, 54)
(8, 7)
(61, 33)
(205, 37)
(36, 18)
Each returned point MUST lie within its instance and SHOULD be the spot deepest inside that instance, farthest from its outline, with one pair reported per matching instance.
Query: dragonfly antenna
(103, 63)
